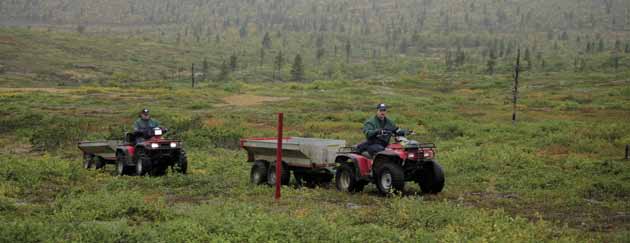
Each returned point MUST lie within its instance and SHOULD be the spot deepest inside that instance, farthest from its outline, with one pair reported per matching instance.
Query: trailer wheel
(271, 175)
(143, 165)
(345, 179)
(99, 163)
(390, 177)
(181, 165)
(88, 160)
(121, 167)
(258, 173)
(431, 178)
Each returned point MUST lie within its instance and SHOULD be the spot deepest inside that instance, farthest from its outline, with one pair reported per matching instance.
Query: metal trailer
(312, 160)
(97, 154)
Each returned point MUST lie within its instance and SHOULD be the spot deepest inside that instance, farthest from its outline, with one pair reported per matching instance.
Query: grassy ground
(557, 175)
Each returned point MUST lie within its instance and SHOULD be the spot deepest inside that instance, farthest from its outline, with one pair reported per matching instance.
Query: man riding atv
(387, 165)
(378, 131)
(144, 124)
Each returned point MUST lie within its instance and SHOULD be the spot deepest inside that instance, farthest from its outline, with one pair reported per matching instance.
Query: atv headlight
(173, 145)
(155, 145)
(412, 155)
(157, 132)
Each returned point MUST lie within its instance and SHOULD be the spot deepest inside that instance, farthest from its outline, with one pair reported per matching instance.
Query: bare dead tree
(515, 89)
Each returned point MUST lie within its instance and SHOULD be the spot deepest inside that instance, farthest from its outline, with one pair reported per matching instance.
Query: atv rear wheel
(258, 173)
(431, 178)
(271, 175)
(345, 179)
(390, 178)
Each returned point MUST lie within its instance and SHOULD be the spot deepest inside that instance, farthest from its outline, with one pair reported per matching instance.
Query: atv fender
(129, 152)
(386, 156)
(361, 165)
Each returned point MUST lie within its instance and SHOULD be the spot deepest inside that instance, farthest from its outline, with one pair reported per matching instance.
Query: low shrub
(447, 130)
(10, 122)
(213, 136)
(56, 135)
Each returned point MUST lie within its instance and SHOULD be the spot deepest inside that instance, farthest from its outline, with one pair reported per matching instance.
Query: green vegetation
(79, 70)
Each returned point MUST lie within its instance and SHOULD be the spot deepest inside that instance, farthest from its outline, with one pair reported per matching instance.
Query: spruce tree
(448, 58)
(297, 70)
(278, 63)
(224, 72)
(243, 32)
(527, 58)
(262, 56)
(205, 68)
(617, 45)
(233, 62)
(320, 53)
(266, 42)
(403, 46)
(348, 51)
(492, 62)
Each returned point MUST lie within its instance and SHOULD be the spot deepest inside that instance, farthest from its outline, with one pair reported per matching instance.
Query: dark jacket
(141, 124)
(372, 127)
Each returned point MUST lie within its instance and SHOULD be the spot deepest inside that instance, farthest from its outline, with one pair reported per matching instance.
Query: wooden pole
(279, 158)
(193, 75)
(515, 90)
(627, 151)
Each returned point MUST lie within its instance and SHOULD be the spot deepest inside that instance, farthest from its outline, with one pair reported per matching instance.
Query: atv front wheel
(431, 178)
(390, 178)
(181, 165)
(143, 165)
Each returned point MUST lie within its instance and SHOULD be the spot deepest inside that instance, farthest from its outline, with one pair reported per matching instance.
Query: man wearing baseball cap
(145, 122)
(377, 131)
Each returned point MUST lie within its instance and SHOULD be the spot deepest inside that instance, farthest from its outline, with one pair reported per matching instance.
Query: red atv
(404, 160)
(146, 152)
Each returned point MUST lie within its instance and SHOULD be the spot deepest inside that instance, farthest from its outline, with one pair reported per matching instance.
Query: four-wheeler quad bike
(141, 153)
(404, 160)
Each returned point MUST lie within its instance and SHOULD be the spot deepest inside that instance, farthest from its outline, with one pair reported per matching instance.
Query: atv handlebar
(149, 132)
(385, 134)
(397, 132)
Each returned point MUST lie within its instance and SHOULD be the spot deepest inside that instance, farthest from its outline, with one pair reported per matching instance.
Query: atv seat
(363, 152)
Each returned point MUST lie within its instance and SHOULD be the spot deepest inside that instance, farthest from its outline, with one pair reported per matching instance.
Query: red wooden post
(279, 157)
